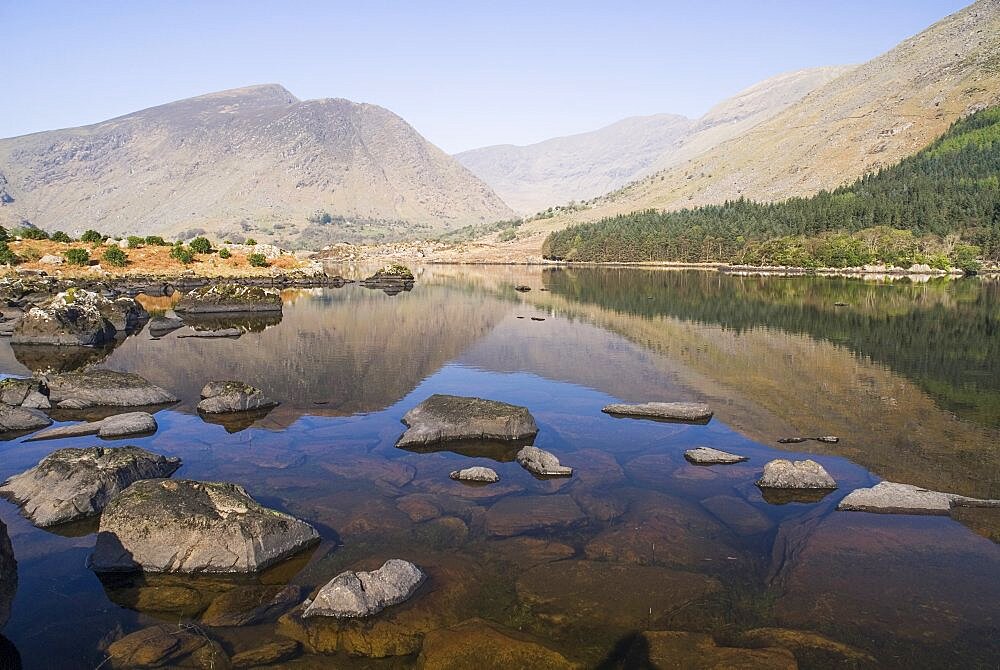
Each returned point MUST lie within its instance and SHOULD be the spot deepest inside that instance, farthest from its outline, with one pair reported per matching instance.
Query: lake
(906, 374)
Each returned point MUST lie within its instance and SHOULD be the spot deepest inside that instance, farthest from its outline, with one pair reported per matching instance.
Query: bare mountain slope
(580, 167)
(870, 117)
(253, 161)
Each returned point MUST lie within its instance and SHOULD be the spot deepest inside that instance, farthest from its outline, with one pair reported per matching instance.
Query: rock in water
(161, 325)
(74, 317)
(166, 645)
(893, 498)
(14, 419)
(521, 288)
(357, 594)
(443, 418)
(232, 396)
(119, 425)
(221, 298)
(8, 575)
(268, 654)
(391, 276)
(485, 646)
(666, 411)
(709, 456)
(784, 474)
(71, 484)
(543, 463)
(165, 525)
(104, 388)
(16, 390)
(476, 474)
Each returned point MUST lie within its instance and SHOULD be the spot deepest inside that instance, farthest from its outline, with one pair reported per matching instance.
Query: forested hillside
(940, 206)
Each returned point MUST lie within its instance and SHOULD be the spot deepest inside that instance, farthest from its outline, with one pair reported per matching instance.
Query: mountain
(580, 167)
(866, 119)
(252, 161)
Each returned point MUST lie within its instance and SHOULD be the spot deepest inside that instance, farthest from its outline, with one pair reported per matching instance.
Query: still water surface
(907, 374)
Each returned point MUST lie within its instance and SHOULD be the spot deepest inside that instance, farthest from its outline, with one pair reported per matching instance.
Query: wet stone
(161, 645)
(542, 463)
(664, 411)
(442, 418)
(740, 516)
(520, 514)
(709, 456)
(486, 646)
(247, 605)
(268, 654)
(360, 594)
(223, 397)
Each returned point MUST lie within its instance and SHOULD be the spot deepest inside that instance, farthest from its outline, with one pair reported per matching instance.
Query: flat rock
(14, 419)
(161, 325)
(666, 411)
(520, 514)
(709, 456)
(893, 498)
(476, 474)
(248, 605)
(784, 474)
(486, 646)
(104, 388)
(119, 425)
(222, 298)
(71, 484)
(224, 397)
(442, 418)
(360, 594)
(740, 516)
(698, 651)
(210, 334)
(163, 525)
(15, 390)
(542, 463)
(165, 644)
(8, 575)
(267, 654)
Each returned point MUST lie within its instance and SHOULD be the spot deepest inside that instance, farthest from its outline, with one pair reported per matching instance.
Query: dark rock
(163, 645)
(74, 317)
(71, 484)
(665, 411)
(223, 397)
(98, 388)
(163, 525)
(521, 288)
(125, 314)
(216, 298)
(442, 418)
(359, 594)
(8, 575)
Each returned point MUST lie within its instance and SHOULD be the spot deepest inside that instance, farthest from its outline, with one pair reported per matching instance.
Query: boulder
(542, 463)
(16, 419)
(476, 474)
(166, 645)
(164, 525)
(72, 318)
(71, 484)
(161, 325)
(104, 388)
(784, 474)
(224, 397)
(125, 314)
(442, 418)
(665, 411)
(709, 456)
(8, 575)
(51, 259)
(16, 390)
(221, 298)
(359, 594)
(486, 646)
(893, 498)
(119, 425)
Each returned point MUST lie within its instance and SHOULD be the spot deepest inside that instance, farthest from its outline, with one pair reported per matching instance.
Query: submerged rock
(8, 575)
(216, 298)
(104, 388)
(248, 605)
(119, 425)
(543, 463)
(486, 646)
(698, 651)
(220, 332)
(476, 474)
(359, 594)
(709, 456)
(666, 411)
(223, 397)
(16, 419)
(71, 484)
(784, 474)
(893, 498)
(166, 645)
(443, 418)
(164, 525)
(267, 654)
(811, 648)
(520, 514)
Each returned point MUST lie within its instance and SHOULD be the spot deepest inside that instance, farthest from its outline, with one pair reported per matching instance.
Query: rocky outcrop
(77, 317)
(664, 411)
(8, 575)
(104, 388)
(893, 498)
(784, 474)
(391, 276)
(224, 397)
(709, 456)
(119, 425)
(222, 298)
(164, 525)
(71, 484)
(542, 463)
(443, 418)
(17, 419)
(359, 594)
(476, 474)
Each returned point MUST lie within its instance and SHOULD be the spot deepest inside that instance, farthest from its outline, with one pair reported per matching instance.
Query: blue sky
(465, 74)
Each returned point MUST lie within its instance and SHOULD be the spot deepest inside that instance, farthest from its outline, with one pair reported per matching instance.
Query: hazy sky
(465, 74)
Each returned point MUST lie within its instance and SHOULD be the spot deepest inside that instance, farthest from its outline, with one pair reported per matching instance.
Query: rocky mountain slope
(580, 167)
(868, 118)
(245, 162)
